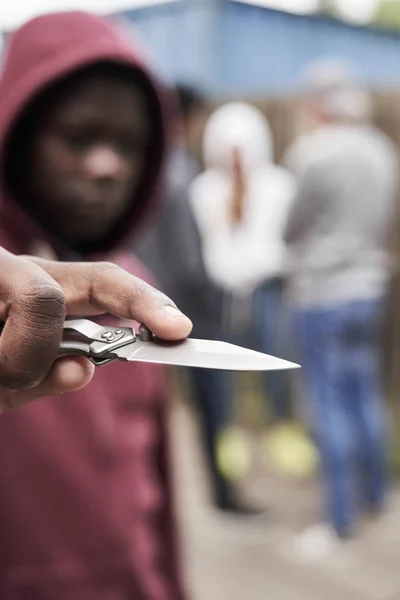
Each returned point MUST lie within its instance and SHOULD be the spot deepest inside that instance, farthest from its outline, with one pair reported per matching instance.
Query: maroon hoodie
(85, 502)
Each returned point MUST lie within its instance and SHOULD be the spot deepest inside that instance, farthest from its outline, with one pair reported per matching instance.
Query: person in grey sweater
(337, 232)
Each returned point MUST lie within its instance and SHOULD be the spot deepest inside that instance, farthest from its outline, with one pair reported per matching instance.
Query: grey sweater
(337, 230)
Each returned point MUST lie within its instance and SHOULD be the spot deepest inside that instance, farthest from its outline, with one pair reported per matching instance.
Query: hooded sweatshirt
(239, 257)
(85, 503)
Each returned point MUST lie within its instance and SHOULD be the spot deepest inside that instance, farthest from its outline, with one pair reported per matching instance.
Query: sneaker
(312, 545)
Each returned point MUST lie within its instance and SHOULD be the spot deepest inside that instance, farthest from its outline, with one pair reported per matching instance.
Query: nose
(104, 162)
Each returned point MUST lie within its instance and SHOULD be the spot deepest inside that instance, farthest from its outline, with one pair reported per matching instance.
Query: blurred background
(247, 449)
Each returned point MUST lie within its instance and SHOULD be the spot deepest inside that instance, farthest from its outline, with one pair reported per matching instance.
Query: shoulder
(210, 179)
(277, 180)
(383, 144)
(308, 149)
(207, 196)
(284, 177)
(336, 150)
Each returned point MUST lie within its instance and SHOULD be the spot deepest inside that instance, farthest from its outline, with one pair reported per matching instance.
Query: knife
(102, 345)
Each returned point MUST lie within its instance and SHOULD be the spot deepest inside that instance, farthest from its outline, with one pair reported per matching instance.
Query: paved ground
(231, 559)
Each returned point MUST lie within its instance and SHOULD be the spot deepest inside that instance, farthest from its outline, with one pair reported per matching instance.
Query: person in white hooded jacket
(241, 202)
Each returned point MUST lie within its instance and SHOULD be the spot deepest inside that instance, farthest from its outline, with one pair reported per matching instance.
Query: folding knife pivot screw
(108, 335)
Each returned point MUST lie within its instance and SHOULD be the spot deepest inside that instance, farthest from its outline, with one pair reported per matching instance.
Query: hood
(46, 50)
(237, 125)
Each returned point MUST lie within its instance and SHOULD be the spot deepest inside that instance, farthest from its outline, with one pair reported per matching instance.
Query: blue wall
(265, 49)
(182, 37)
(231, 47)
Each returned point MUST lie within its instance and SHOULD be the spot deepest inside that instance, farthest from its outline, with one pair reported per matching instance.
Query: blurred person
(171, 248)
(241, 202)
(337, 232)
(88, 510)
(193, 104)
(169, 243)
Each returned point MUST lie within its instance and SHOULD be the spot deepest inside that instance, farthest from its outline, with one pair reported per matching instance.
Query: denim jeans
(268, 322)
(213, 397)
(340, 356)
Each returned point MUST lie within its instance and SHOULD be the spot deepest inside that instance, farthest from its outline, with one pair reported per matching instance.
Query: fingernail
(173, 312)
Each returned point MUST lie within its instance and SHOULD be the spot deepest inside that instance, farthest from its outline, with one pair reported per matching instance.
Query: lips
(89, 215)
(101, 201)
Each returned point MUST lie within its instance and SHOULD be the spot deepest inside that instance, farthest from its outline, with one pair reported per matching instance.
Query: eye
(80, 136)
(132, 145)
(129, 145)
(77, 140)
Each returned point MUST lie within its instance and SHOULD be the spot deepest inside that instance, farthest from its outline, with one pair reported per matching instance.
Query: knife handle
(82, 337)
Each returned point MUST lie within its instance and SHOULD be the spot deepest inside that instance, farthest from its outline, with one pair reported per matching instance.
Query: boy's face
(88, 156)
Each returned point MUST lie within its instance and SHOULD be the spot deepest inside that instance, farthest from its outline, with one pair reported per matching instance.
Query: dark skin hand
(35, 297)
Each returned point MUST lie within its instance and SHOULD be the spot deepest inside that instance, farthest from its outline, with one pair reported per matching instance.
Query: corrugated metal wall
(264, 50)
(182, 37)
(234, 48)
(238, 48)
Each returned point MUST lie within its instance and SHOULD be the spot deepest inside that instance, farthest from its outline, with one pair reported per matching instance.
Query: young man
(338, 236)
(85, 512)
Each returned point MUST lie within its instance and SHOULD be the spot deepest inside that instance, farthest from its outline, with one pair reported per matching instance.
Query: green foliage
(327, 7)
(388, 14)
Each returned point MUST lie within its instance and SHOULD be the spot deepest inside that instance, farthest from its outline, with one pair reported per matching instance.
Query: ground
(245, 559)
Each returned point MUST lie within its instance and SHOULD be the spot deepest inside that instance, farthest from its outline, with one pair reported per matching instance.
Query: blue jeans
(213, 397)
(268, 319)
(340, 355)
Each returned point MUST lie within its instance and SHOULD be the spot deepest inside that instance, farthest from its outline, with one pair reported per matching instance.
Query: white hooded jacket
(240, 257)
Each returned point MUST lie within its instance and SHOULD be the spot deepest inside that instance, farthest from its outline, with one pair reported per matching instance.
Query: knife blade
(207, 354)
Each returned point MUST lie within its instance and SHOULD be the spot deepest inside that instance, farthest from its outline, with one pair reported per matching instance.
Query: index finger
(96, 288)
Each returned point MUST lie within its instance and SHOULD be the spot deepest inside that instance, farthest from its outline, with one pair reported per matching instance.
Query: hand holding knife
(35, 298)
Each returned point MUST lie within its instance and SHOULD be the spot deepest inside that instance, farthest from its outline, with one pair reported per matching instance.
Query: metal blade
(206, 354)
